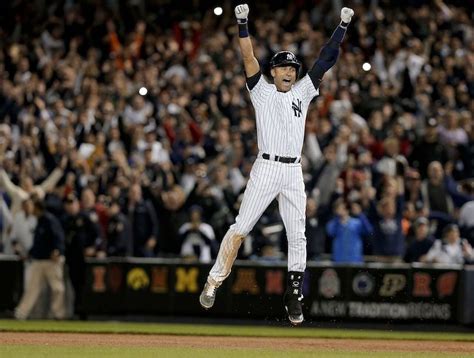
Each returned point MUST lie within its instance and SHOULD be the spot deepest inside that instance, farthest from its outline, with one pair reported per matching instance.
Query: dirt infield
(136, 340)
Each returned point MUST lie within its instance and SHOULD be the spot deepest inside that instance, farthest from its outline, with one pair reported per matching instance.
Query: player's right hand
(346, 14)
(242, 11)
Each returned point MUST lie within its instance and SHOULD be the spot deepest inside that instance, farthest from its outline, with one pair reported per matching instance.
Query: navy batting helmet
(285, 58)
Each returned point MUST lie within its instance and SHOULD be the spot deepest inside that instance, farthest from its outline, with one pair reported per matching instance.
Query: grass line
(221, 330)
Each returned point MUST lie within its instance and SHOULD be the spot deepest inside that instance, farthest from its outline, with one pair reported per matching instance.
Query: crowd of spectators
(131, 121)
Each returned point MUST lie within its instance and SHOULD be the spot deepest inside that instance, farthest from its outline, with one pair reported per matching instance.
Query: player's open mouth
(286, 80)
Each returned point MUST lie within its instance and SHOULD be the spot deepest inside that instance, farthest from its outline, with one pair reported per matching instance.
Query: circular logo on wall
(329, 284)
(363, 284)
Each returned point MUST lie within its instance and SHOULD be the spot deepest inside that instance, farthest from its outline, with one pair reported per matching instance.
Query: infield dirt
(306, 344)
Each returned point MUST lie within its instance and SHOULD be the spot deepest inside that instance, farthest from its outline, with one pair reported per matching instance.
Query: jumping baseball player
(280, 110)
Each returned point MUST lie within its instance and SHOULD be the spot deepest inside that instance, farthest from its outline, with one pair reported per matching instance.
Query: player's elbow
(248, 56)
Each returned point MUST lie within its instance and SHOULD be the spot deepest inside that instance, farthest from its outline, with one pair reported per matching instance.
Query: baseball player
(280, 110)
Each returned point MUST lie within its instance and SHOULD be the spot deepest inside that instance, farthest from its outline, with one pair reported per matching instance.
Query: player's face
(284, 77)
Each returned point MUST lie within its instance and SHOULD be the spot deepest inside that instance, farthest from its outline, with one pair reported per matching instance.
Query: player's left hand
(346, 14)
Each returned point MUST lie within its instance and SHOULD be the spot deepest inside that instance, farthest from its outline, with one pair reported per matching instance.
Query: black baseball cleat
(294, 309)
(293, 297)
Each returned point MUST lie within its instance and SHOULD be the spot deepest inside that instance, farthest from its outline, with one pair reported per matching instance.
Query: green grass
(7, 351)
(53, 351)
(221, 330)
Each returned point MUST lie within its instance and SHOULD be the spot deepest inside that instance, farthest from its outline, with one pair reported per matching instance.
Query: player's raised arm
(329, 53)
(250, 62)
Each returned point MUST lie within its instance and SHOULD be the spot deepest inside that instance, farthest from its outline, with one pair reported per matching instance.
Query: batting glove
(346, 14)
(242, 12)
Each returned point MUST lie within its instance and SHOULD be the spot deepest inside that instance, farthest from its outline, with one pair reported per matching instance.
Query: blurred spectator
(466, 218)
(69, 93)
(452, 250)
(413, 189)
(93, 245)
(327, 168)
(119, 235)
(144, 223)
(428, 149)
(315, 229)
(82, 232)
(198, 239)
(392, 163)
(5, 225)
(386, 217)
(20, 193)
(466, 154)
(422, 241)
(451, 134)
(441, 193)
(435, 195)
(47, 266)
(346, 233)
(22, 230)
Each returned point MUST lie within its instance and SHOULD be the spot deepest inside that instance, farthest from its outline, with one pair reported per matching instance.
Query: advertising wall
(372, 291)
(406, 293)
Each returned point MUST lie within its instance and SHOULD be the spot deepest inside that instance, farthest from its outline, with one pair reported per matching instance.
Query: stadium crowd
(129, 123)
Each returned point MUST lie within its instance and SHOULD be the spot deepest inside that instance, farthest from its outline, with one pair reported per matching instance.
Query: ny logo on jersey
(297, 107)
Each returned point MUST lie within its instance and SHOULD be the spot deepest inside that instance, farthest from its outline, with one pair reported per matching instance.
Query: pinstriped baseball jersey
(280, 132)
(281, 116)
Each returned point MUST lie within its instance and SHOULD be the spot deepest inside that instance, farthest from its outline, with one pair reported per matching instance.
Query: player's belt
(277, 158)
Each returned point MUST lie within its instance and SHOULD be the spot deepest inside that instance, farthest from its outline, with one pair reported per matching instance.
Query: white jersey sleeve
(306, 87)
(260, 91)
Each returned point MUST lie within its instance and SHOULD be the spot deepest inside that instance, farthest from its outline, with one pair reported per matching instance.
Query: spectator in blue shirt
(347, 233)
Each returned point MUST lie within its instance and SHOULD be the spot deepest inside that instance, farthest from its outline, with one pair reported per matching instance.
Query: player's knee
(240, 230)
(296, 238)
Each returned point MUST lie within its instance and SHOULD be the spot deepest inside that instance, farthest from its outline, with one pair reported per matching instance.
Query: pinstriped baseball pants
(268, 180)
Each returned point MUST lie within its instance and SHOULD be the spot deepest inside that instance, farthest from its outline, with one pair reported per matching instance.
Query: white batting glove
(346, 14)
(242, 12)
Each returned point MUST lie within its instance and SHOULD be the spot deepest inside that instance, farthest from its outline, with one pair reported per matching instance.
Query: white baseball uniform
(280, 133)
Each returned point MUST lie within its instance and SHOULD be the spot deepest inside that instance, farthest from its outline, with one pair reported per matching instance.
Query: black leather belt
(277, 158)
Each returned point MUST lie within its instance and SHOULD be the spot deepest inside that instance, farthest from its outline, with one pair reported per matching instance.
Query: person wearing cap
(119, 234)
(422, 241)
(81, 234)
(47, 265)
(280, 108)
(451, 250)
